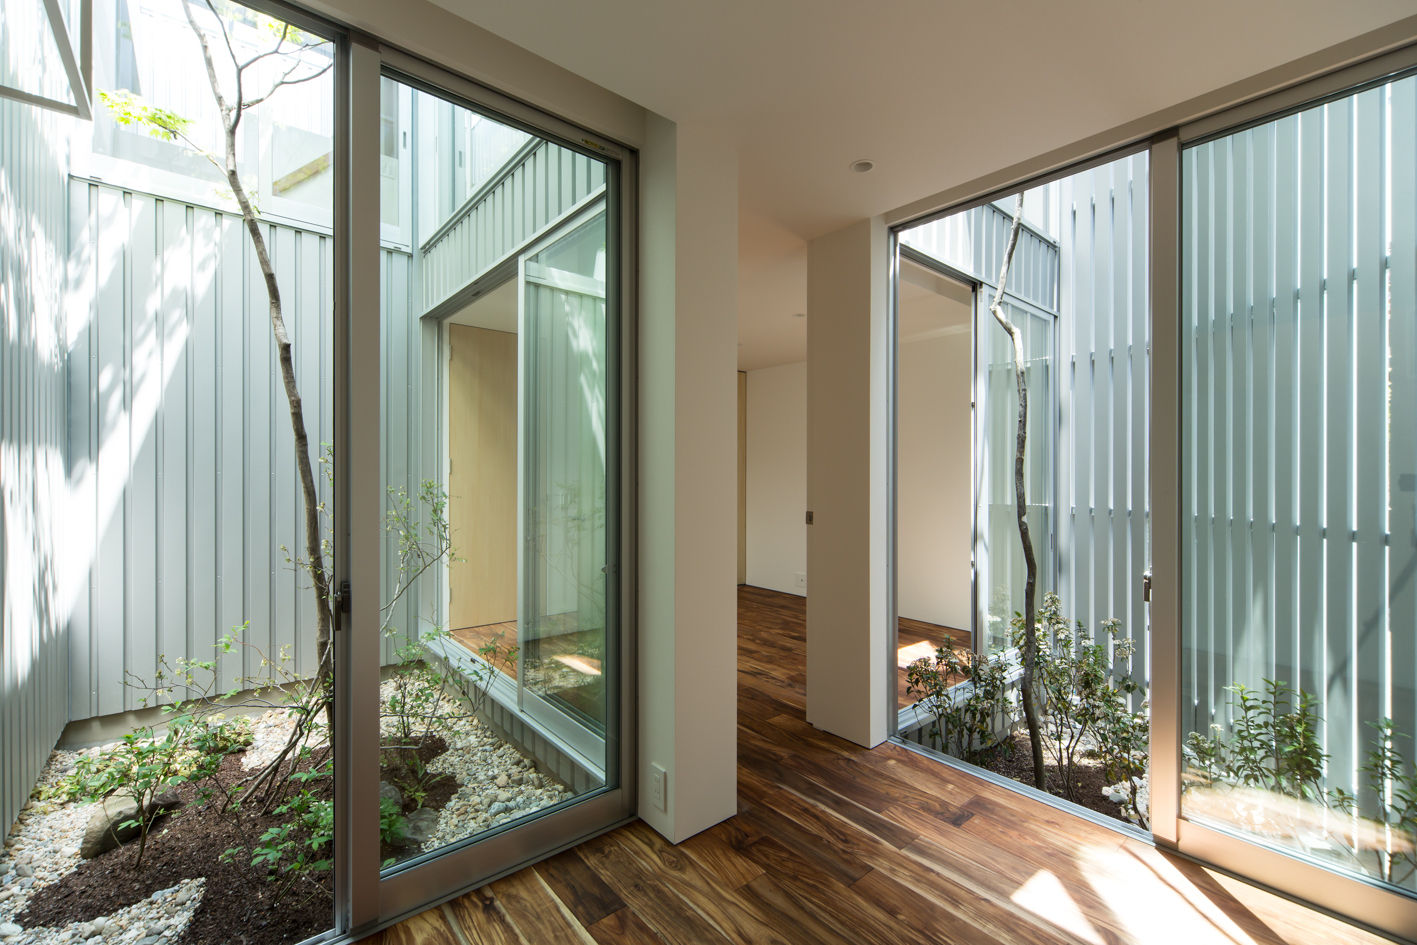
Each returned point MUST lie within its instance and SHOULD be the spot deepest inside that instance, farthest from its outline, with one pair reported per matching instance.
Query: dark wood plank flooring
(837, 844)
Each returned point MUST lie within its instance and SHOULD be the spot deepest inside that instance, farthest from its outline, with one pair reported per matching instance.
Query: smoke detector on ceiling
(862, 166)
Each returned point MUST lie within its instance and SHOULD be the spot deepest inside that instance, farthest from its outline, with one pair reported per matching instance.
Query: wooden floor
(837, 844)
(916, 639)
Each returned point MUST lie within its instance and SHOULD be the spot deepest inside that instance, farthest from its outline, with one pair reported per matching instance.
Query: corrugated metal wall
(180, 437)
(33, 482)
(1299, 463)
(974, 243)
(1104, 398)
(507, 212)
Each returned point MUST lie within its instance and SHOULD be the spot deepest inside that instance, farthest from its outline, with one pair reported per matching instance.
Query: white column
(848, 377)
(688, 438)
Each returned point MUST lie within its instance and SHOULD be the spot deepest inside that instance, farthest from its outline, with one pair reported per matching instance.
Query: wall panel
(182, 428)
(35, 588)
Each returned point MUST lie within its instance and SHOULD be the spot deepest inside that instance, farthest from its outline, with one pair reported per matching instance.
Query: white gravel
(497, 784)
(43, 846)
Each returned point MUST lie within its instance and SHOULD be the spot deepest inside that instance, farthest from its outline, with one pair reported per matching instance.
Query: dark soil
(240, 903)
(1014, 759)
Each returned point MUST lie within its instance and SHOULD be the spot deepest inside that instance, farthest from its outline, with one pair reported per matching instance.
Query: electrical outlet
(801, 577)
(658, 788)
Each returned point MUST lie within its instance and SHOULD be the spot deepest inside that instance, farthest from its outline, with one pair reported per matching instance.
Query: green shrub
(963, 720)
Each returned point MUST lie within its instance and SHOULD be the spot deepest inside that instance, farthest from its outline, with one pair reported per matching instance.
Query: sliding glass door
(1298, 595)
(1220, 344)
(499, 695)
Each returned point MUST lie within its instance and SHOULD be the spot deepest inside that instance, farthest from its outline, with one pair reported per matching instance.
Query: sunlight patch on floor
(1153, 901)
(1045, 896)
(906, 655)
(581, 664)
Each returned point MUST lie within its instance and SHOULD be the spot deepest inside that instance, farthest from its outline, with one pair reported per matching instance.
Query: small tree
(1030, 587)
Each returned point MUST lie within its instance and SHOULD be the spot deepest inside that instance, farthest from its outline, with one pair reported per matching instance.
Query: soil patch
(1014, 759)
(240, 904)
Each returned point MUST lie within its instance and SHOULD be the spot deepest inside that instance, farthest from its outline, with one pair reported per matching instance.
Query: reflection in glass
(1299, 611)
(500, 642)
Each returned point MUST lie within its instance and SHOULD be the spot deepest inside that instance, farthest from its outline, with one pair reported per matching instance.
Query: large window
(320, 555)
(1218, 341)
(499, 447)
(1074, 297)
(1299, 607)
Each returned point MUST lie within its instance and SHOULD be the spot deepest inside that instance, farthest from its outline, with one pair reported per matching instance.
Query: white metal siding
(33, 463)
(508, 212)
(179, 419)
(1298, 310)
(1104, 370)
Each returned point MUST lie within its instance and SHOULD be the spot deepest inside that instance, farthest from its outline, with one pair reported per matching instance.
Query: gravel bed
(496, 783)
(43, 845)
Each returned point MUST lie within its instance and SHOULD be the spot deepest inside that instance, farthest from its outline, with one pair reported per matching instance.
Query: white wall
(934, 478)
(688, 481)
(777, 476)
(934, 496)
(848, 345)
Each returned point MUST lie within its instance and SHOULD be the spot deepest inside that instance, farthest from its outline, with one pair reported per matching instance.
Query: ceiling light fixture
(862, 166)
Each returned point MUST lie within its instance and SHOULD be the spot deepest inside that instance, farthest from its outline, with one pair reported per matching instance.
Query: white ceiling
(935, 93)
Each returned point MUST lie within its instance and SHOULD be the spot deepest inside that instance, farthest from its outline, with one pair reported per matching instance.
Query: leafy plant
(1273, 742)
(1394, 785)
(966, 697)
(300, 847)
(142, 766)
(1085, 689)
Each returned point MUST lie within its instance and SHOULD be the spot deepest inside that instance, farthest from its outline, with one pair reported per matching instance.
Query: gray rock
(419, 826)
(501, 807)
(23, 870)
(391, 792)
(105, 828)
(9, 930)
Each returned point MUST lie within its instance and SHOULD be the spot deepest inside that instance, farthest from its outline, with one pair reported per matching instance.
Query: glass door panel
(1299, 618)
(563, 482)
(496, 383)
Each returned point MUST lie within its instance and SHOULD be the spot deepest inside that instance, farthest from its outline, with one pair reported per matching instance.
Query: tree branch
(285, 80)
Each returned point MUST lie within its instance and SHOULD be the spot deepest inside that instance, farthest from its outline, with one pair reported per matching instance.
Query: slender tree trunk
(231, 112)
(314, 551)
(1030, 588)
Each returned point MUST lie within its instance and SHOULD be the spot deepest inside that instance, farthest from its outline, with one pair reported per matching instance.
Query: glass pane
(563, 439)
(1076, 293)
(29, 53)
(999, 563)
(186, 622)
(1299, 613)
(495, 386)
